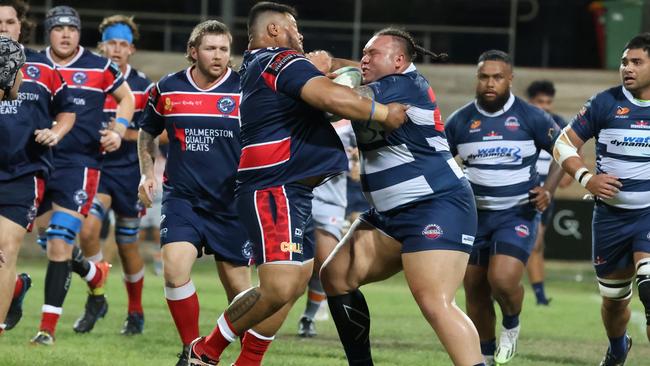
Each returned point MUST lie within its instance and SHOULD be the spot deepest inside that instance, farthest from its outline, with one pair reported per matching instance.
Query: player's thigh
(178, 259)
(282, 282)
(364, 255)
(434, 275)
(325, 244)
(235, 278)
(539, 239)
(505, 271)
(11, 236)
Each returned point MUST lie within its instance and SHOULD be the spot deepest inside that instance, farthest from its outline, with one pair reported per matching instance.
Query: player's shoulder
(33, 56)
(531, 111)
(138, 77)
(607, 97)
(172, 81)
(94, 60)
(462, 114)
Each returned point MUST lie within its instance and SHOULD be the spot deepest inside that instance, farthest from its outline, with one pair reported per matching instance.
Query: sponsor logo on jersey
(641, 124)
(168, 104)
(226, 105)
(497, 152)
(79, 77)
(475, 126)
(80, 197)
(522, 231)
(33, 72)
(512, 123)
(432, 231)
(622, 111)
(291, 247)
(492, 135)
(632, 141)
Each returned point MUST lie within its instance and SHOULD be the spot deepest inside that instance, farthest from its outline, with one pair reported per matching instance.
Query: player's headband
(118, 31)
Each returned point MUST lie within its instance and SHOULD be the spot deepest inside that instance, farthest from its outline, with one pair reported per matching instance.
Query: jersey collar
(503, 110)
(48, 53)
(188, 73)
(633, 100)
(411, 68)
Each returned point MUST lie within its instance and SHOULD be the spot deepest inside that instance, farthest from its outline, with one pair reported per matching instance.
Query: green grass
(568, 332)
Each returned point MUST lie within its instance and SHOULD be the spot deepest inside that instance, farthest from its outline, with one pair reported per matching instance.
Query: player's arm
(125, 108)
(325, 63)
(147, 147)
(62, 125)
(324, 94)
(565, 153)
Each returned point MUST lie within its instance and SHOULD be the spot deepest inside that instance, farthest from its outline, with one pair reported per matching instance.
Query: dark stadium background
(569, 25)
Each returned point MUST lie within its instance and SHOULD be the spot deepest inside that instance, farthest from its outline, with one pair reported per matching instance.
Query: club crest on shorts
(432, 231)
(31, 214)
(33, 72)
(79, 77)
(226, 105)
(247, 249)
(522, 231)
(80, 197)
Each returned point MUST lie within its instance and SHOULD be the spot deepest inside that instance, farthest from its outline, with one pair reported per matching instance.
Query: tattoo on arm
(365, 91)
(146, 151)
(243, 304)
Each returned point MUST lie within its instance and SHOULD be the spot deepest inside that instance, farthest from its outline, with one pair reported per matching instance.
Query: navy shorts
(356, 201)
(218, 234)
(20, 198)
(121, 183)
(73, 188)
(509, 232)
(276, 219)
(441, 223)
(617, 234)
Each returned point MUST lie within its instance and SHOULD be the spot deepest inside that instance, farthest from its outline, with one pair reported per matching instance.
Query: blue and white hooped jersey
(545, 159)
(499, 150)
(621, 126)
(413, 162)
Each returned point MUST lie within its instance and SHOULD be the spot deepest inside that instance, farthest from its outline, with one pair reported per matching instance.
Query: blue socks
(540, 295)
(488, 347)
(510, 321)
(618, 346)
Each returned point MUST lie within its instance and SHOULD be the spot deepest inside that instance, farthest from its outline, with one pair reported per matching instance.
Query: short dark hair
(640, 41)
(495, 55)
(537, 87)
(411, 49)
(265, 6)
(21, 8)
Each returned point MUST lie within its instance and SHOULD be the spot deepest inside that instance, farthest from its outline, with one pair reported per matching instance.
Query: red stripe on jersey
(39, 191)
(41, 74)
(432, 95)
(437, 118)
(91, 182)
(265, 155)
(274, 232)
(201, 104)
(79, 78)
(269, 79)
(179, 133)
(110, 104)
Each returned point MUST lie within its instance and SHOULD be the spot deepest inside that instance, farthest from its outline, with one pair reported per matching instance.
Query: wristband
(579, 173)
(381, 113)
(585, 179)
(372, 110)
(122, 121)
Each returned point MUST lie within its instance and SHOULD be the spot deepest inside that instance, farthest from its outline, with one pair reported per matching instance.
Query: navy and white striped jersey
(413, 162)
(621, 126)
(545, 159)
(334, 191)
(499, 150)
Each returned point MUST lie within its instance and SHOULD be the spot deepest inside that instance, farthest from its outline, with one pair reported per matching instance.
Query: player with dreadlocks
(422, 218)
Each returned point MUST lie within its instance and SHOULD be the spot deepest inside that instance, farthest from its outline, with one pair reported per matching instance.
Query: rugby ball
(348, 76)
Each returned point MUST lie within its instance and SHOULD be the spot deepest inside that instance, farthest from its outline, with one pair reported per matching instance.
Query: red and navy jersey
(89, 77)
(283, 138)
(203, 130)
(42, 95)
(620, 125)
(140, 85)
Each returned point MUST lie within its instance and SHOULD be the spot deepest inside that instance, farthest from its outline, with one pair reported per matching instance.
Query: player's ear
(272, 29)
(131, 49)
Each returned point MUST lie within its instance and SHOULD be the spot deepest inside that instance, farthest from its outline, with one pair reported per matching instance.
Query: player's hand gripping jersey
(203, 129)
(413, 162)
(621, 126)
(89, 77)
(499, 150)
(42, 95)
(140, 85)
(284, 139)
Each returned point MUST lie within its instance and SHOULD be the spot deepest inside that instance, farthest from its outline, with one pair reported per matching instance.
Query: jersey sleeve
(450, 130)
(113, 77)
(152, 119)
(140, 109)
(585, 123)
(288, 72)
(390, 89)
(61, 101)
(545, 131)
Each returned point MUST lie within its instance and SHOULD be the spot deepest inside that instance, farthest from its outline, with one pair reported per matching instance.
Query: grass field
(566, 333)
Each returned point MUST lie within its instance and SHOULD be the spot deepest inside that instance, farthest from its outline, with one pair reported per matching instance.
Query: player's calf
(643, 284)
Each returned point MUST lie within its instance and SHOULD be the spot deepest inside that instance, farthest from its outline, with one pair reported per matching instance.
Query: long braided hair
(412, 49)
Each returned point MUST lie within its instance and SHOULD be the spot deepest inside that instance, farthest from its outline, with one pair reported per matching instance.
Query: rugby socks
(489, 347)
(17, 288)
(57, 283)
(352, 318)
(183, 304)
(618, 346)
(315, 297)
(253, 348)
(134, 284)
(220, 338)
(86, 268)
(540, 295)
(510, 321)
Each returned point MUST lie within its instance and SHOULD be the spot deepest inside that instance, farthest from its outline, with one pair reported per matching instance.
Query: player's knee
(336, 283)
(615, 289)
(643, 283)
(63, 226)
(98, 209)
(126, 230)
